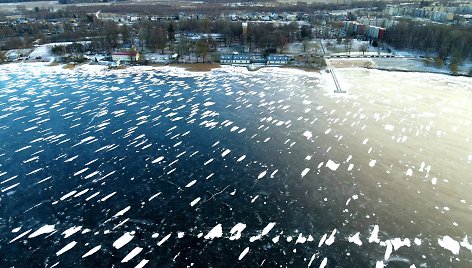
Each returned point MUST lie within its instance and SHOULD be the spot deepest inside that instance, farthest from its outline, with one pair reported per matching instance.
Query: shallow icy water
(164, 167)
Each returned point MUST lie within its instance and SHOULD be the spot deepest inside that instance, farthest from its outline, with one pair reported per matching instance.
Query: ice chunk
(267, 229)
(163, 240)
(190, 183)
(450, 244)
(236, 231)
(92, 251)
(66, 248)
(398, 243)
(322, 240)
(348, 158)
(81, 171)
(304, 172)
(355, 239)
(227, 151)
(46, 229)
(132, 254)
(71, 231)
(301, 239)
(154, 196)
(465, 243)
(19, 236)
(263, 173)
(308, 134)
(81, 192)
(195, 201)
(388, 250)
(142, 263)
(330, 239)
(217, 231)
(374, 237)
(108, 196)
(323, 263)
(351, 166)
(23, 148)
(332, 165)
(264, 232)
(123, 240)
(313, 257)
(122, 212)
(372, 163)
(10, 187)
(245, 251)
(157, 160)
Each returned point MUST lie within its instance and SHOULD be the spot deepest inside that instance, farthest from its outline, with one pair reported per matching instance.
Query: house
(235, 59)
(226, 59)
(241, 59)
(258, 59)
(278, 59)
(125, 56)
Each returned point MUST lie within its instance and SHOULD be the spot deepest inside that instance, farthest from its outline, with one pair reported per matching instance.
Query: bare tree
(454, 68)
(316, 48)
(157, 39)
(110, 32)
(282, 42)
(306, 45)
(348, 45)
(202, 48)
(126, 34)
(363, 48)
(161, 39)
(2, 57)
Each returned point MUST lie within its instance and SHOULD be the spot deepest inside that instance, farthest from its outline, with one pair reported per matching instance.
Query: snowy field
(161, 167)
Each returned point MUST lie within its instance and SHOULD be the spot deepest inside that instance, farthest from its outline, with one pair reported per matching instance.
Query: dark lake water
(167, 168)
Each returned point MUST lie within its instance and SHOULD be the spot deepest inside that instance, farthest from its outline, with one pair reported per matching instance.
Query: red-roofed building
(125, 56)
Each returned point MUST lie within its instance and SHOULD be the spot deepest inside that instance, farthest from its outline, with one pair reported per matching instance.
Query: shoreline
(194, 67)
(372, 65)
(208, 67)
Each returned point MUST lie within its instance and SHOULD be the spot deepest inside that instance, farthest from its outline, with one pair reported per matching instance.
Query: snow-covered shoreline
(46, 67)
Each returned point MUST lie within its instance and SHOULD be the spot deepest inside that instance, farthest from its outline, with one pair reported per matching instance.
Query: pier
(336, 82)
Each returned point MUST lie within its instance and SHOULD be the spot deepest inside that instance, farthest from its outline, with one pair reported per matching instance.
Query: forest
(441, 40)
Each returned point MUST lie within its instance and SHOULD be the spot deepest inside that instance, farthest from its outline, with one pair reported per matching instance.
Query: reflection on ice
(159, 167)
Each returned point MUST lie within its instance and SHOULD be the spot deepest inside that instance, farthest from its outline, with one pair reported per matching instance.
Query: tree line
(208, 8)
(445, 41)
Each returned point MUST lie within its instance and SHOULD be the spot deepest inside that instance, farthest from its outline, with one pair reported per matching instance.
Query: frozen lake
(167, 168)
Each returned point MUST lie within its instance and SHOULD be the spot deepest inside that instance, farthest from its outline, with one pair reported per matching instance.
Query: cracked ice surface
(163, 167)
